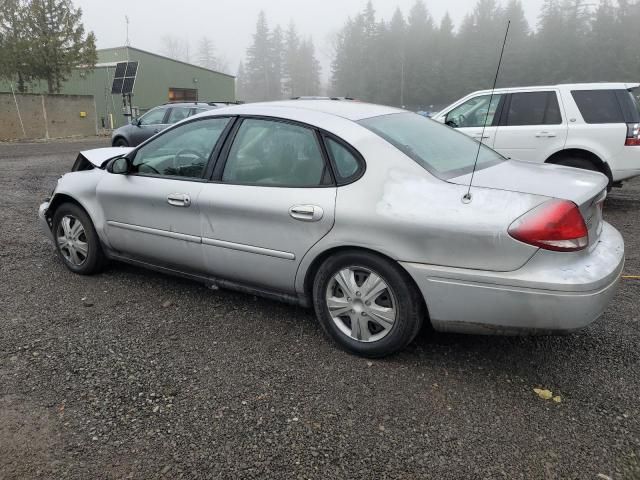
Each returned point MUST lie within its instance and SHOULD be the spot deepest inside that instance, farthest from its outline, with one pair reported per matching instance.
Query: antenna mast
(467, 197)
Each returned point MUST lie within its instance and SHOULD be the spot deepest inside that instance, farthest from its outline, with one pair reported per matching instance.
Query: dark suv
(157, 119)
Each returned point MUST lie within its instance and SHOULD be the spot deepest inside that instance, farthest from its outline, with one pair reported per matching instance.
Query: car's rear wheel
(120, 142)
(367, 303)
(77, 242)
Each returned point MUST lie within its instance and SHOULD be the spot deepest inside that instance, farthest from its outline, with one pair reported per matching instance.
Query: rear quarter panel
(400, 210)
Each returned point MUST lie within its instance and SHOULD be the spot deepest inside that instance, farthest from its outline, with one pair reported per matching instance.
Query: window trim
(212, 158)
(221, 162)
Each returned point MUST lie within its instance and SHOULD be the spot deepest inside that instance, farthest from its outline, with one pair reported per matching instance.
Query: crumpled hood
(98, 156)
(548, 180)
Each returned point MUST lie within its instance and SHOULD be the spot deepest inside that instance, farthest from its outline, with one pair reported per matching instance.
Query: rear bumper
(552, 293)
(42, 220)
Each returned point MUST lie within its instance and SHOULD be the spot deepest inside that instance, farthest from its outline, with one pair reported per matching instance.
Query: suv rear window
(606, 106)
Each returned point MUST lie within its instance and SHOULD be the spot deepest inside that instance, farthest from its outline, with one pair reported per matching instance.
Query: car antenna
(467, 196)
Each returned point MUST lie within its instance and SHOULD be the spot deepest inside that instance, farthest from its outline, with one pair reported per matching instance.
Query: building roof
(161, 57)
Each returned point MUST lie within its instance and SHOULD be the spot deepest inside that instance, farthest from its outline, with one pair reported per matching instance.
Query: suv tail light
(555, 225)
(633, 135)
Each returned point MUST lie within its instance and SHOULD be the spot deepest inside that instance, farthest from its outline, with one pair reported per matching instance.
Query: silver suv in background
(157, 119)
(594, 126)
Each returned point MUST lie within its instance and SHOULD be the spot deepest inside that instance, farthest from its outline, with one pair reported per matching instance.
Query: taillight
(633, 135)
(555, 225)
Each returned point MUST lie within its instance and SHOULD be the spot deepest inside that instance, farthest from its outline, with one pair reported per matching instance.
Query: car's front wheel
(77, 242)
(367, 303)
(120, 142)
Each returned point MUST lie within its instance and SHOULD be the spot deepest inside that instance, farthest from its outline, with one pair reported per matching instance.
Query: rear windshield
(607, 106)
(441, 150)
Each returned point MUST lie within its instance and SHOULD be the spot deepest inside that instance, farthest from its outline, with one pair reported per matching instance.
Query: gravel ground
(131, 374)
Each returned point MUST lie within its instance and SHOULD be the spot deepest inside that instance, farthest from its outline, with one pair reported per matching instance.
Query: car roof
(350, 110)
(569, 86)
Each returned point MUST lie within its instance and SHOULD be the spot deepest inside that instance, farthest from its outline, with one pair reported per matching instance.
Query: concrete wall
(46, 116)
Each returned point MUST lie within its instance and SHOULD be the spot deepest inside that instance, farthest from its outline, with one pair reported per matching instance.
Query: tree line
(43, 40)
(416, 62)
(278, 64)
(411, 60)
(206, 54)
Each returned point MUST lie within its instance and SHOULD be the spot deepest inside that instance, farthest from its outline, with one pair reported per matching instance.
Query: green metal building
(159, 80)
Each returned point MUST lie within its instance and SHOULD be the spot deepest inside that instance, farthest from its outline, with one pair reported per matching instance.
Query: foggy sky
(231, 23)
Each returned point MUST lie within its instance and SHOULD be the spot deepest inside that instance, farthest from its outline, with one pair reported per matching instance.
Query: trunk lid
(585, 188)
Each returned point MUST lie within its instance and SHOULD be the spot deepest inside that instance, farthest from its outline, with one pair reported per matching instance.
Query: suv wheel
(577, 162)
(120, 142)
(367, 304)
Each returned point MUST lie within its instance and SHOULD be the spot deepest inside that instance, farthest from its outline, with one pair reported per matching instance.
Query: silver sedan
(360, 211)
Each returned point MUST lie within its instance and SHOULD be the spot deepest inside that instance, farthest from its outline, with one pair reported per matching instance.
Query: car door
(470, 117)
(271, 199)
(148, 125)
(532, 126)
(153, 212)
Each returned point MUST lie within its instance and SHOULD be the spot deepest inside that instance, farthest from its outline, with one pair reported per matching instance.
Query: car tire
(120, 142)
(577, 162)
(76, 240)
(386, 316)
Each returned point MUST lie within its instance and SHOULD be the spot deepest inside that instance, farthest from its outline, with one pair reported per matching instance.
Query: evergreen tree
(56, 42)
(276, 64)
(207, 54)
(13, 43)
(257, 65)
(291, 67)
(419, 57)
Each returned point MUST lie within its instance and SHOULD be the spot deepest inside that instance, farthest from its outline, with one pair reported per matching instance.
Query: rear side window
(533, 108)
(273, 153)
(599, 106)
(347, 165)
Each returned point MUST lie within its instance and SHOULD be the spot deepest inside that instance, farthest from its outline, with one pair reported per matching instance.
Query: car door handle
(481, 137)
(306, 213)
(179, 200)
(545, 134)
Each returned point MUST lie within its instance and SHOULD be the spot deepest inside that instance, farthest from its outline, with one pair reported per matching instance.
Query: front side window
(178, 113)
(473, 112)
(442, 151)
(181, 152)
(153, 117)
(273, 153)
(533, 108)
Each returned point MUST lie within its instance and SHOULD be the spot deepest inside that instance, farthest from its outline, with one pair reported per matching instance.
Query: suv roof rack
(196, 102)
(311, 97)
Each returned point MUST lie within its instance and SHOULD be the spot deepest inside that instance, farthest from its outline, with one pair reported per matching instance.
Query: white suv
(595, 126)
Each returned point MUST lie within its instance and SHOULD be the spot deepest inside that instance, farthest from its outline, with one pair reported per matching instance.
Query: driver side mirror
(137, 122)
(119, 166)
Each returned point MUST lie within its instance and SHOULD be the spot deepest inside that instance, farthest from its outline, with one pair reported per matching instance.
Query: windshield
(441, 150)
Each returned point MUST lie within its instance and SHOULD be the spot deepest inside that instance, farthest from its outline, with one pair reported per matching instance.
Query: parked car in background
(594, 126)
(157, 119)
(358, 210)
